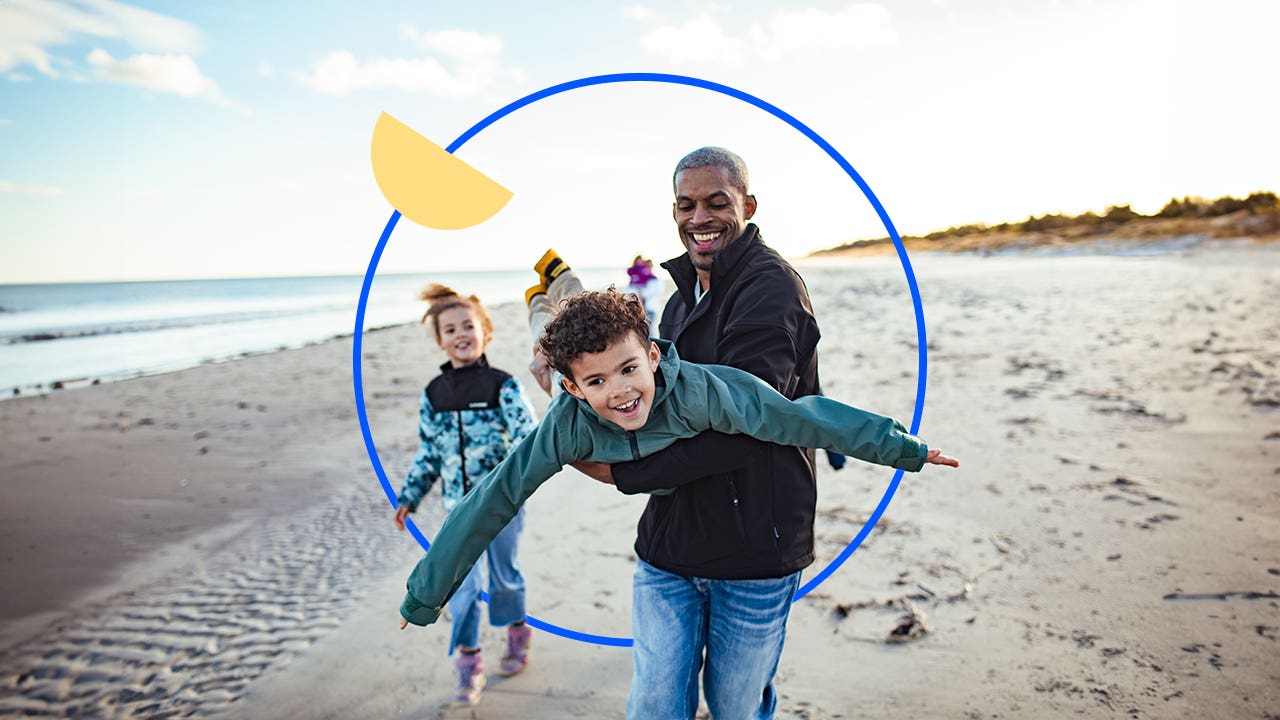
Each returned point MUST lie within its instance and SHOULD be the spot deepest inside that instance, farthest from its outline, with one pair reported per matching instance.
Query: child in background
(647, 287)
(627, 396)
(471, 416)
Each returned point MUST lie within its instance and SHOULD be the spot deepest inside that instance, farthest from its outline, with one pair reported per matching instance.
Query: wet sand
(214, 542)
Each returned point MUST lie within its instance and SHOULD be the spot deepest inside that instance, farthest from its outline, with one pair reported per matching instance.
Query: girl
(647, 286)
(471, 416)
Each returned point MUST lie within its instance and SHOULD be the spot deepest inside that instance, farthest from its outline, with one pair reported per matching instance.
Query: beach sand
(215, 542)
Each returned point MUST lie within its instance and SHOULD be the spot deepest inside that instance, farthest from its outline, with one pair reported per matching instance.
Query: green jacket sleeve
(482, 513)
(739, 402)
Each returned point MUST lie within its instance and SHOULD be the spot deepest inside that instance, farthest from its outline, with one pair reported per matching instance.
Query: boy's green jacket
(690, 398)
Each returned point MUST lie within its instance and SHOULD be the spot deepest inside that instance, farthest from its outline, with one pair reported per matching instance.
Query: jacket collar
(723, 269)
(449, 369)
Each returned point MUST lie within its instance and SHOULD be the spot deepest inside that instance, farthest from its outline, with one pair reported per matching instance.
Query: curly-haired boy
(628, 396)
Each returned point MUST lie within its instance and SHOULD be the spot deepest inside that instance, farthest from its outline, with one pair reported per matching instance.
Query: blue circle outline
(922, 343)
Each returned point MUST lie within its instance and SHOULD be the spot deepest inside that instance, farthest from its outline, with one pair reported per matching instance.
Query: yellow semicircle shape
(427, 184)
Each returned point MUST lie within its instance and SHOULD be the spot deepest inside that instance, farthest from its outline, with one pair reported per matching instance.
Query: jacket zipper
(462, 453)
(733, 493)
(635, 445)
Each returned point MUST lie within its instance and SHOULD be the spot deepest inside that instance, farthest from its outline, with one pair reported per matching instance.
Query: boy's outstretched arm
(739, 402)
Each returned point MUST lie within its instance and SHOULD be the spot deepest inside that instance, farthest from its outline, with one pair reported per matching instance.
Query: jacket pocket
(752, 521)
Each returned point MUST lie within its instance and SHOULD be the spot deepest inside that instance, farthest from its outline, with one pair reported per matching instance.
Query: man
(720, 558)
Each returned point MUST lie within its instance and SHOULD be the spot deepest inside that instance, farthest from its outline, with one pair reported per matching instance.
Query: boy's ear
(655, 355)
(572, 388)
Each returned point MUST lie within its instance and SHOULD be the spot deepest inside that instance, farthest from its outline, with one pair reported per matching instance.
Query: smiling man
(720, 558)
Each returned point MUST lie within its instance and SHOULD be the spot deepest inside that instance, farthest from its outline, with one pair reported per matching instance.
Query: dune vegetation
(1256, 216)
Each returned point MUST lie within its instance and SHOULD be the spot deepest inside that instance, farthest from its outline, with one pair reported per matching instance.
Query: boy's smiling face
(618, 382)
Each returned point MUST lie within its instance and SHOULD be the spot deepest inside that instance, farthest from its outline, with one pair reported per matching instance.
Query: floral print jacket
(469, 420)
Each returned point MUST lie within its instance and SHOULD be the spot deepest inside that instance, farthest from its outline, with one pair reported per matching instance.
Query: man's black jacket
(742, 508)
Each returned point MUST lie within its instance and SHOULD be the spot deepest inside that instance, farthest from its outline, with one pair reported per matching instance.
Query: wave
(35, 335)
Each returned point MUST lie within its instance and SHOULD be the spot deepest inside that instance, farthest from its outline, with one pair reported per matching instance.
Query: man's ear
(655, 356)
(749, 204)
(572, 388)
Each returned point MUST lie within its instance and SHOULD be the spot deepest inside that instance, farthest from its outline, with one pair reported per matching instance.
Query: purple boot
(517, 655)
(470, 678)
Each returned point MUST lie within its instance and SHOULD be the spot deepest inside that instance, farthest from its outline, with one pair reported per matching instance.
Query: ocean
(66, 334)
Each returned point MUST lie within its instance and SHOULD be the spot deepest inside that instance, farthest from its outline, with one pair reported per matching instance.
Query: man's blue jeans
(740, 624)
(506, 588)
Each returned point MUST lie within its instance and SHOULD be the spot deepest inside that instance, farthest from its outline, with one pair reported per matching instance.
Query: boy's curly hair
(590, 322)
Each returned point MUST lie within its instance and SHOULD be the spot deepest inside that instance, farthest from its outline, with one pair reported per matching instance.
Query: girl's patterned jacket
(470, 418)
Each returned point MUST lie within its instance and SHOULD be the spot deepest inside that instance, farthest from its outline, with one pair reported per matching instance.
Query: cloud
(801, 32)
(701, 39)
(461, 64)
(38, 190)
(29, 29)
(462, 45)
(640, 13)
(175, 74)
(787, 33)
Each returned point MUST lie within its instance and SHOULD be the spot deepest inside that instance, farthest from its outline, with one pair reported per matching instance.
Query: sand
(214, 541)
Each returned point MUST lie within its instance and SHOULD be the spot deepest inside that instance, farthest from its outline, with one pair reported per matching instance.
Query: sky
(231, 139)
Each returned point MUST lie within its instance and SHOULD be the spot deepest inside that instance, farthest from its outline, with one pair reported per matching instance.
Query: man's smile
(706, 240)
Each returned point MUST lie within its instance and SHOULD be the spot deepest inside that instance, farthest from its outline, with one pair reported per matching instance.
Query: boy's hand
(540, 370)
(402, 512)
(935, 457)
(403, 623)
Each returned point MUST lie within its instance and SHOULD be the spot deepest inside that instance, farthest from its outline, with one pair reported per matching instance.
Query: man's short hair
(589, 323)
(715, 157)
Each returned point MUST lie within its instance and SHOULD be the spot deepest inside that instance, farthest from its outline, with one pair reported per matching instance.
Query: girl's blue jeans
(506, 588)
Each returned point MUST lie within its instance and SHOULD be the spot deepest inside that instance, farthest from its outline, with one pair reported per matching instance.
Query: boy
(627, 396)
